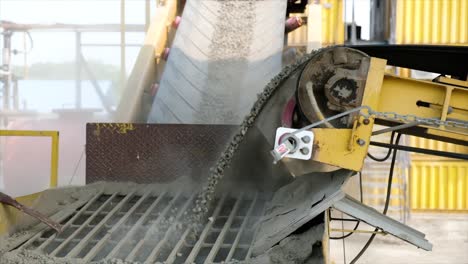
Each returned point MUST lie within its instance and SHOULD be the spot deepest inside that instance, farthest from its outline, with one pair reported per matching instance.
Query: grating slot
(147, 228)
(82, 246)
(220, 255)
(243, 226)
(135, 202)
(67, 248)
(86, 248)
(81, 231)
(103, 251)
(180, 251)
(241, 253)
(137, 227)
(224, 232)
(163, 246)
(51, 246)
(198, 249)
(151, 231)
(49, 233)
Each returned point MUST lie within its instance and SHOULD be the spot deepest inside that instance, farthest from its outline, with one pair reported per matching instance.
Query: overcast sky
(59, 47)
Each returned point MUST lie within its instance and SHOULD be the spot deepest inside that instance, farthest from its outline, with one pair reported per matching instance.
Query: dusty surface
(303, 248)
(30, 257)
(62, 202)
(447, 232)
(56, 203)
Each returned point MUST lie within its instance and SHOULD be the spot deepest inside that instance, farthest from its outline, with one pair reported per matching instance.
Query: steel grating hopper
(146, 227)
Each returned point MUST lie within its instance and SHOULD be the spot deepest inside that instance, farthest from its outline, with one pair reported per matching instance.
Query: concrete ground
(447, 232)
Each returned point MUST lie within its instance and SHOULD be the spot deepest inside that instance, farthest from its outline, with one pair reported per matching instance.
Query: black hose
(358, 222)
(387, 202)
(388, 153)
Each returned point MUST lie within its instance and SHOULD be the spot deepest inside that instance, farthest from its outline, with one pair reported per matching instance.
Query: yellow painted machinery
(319, 115)
(282, 169)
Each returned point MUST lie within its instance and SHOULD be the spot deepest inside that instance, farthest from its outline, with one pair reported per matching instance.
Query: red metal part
(292, 23)
(176, 22)
(166, 52)
(154, 89)
(288, 113)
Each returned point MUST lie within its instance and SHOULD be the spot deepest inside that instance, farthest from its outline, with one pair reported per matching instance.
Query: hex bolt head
(305, 139)
(366, 121)
(361, 142)
(305, 151)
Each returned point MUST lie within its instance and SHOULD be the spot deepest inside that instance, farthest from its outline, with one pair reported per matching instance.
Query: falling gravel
(205, 198)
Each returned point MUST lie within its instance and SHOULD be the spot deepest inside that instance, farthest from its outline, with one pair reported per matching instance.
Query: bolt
(305, 139)
(361, 142)
(366, 121)
(176, 22)
(304, 151)
(154, 89)
(165, 54)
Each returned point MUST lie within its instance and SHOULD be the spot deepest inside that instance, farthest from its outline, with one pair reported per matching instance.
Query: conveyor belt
(223, 55)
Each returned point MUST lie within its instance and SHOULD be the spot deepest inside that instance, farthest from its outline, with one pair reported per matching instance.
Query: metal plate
(371, 216)
(145, 153)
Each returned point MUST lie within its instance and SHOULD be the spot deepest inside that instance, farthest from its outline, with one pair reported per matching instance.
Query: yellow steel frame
(347, 148)
(54, 135)
(149, 65)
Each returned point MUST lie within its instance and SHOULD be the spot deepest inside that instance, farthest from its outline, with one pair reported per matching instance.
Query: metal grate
(147, 228)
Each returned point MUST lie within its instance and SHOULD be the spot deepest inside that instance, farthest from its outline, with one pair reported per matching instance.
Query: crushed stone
(296, 249)
(205, 197)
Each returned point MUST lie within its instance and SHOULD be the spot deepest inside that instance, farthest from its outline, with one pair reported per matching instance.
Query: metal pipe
(292, 24)
(421, 150)
(78, 70)
(6, 62)
(147, 14)
(15, 95)
(353, 25)
(122, 45)
(394, 128)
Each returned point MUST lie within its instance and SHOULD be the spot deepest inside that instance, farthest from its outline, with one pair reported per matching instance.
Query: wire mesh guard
(147, 228)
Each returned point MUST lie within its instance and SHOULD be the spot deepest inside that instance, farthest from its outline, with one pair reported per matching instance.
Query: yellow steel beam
(54, 135)
(401, 95)
(347, 148)
(148, 66)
